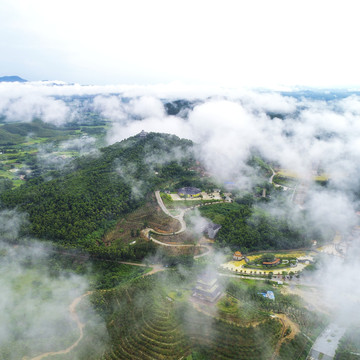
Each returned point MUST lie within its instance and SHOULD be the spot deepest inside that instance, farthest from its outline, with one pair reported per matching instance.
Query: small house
(269, 294)
(238, 255)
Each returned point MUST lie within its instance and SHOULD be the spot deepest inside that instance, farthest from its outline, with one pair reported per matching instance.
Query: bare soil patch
(149, 215)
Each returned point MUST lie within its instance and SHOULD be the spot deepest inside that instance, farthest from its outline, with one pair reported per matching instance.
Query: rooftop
(207, 280)
(271, 262)
(189, 190)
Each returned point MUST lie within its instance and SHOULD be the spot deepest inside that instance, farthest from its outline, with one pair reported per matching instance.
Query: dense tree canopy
(249, 228)
(76, 206)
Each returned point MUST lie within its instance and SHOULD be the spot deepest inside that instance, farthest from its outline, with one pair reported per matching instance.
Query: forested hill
(250, 228)
(77, 205)
(17, 133)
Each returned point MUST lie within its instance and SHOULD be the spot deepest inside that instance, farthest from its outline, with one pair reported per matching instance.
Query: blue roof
(269, 294)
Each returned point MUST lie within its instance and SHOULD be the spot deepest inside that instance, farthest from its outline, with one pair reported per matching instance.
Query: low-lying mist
(35, 296)
(306, 136)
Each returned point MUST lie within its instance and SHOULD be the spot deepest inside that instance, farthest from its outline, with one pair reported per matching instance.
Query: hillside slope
(76, 206)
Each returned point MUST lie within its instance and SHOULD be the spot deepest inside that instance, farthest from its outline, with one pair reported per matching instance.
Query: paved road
(276, 185)
(242, 277)
(148, 230)
(179, 217)
(208, 252)
(272, 176)
(327, 342)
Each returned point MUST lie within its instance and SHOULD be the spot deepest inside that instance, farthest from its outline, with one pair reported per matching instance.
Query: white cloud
(110, 107)
(147, 106)
(31, 106)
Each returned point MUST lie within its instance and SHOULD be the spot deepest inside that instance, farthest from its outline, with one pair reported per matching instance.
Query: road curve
(179, 217)
(272, 176)
(147, 232)
(80, 325)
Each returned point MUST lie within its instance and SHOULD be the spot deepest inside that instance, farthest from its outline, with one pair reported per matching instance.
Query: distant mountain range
(12, 79)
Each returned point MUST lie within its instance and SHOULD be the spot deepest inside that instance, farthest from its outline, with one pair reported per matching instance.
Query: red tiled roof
(271, 262)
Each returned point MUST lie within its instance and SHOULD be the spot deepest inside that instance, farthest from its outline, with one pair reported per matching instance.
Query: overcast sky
(257, 43)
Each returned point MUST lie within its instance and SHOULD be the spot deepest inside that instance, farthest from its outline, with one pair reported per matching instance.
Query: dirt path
(155, 268)
(286, 323)
(80, 325)
(72, 309)
(131, 263)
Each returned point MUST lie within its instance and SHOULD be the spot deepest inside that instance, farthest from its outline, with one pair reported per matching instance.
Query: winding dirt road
(80, 325)
(286, 323)
(72, 309)
(155, 268)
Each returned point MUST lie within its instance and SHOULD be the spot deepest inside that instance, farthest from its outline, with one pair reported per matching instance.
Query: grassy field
(179, 295)
(18, 150)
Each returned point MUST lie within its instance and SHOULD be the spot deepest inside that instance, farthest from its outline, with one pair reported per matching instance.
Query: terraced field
(144, 324)
(225, 341)
(147, 329)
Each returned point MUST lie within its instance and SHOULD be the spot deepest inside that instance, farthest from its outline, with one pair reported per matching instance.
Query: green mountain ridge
(17, 133)
(77, 205)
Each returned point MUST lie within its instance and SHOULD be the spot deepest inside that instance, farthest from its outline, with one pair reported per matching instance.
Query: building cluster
(189, 191)
(207, 288)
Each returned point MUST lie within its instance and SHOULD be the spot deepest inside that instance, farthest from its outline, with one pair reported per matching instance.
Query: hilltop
(12, 78)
